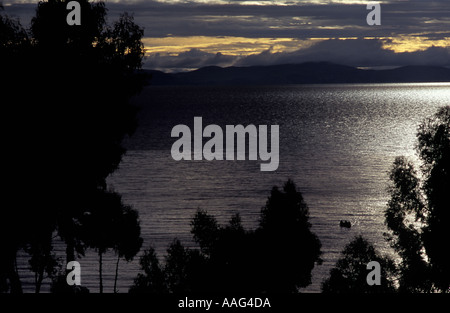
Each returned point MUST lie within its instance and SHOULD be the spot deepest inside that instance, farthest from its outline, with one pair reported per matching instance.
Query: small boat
(344, 223)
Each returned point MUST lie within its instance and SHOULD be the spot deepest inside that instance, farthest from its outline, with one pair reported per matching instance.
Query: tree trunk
(39, 278)
(70, 251)
(11, 271)
(15, 263)
(117, 273)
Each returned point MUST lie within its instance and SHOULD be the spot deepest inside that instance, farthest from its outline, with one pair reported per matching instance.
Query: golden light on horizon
(414, 43)
(244, 46)
(227, 45)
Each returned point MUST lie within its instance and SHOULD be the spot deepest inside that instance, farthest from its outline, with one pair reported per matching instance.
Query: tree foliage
(418, 218)
(350, 272)
(66, 91)
(404, 210)
(288, 240)
(153, 279)
(434, 150)
(276, 257)
(418, 213)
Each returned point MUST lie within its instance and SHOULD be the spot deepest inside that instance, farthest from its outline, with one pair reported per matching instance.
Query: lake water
(337, 142)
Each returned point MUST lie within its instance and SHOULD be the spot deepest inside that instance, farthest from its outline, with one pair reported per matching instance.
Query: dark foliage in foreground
(418, 213)
(418, 218)
(350, 273)
(65, 96)
(276, 257)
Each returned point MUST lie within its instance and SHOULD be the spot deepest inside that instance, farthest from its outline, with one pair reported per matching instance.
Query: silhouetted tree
(128, 241)
(66, 90)
(289, 245)
(350, 272)
(231, 252)
(434, 150)
(13, 229)
(153, 280)
(13, 37)
(185, 269)
(109, 224)
(123, 41)
(43, 261)
(418, 213)
(94, 71)
(99, 223)
(406, 239)
(277, 257)
(205, 230)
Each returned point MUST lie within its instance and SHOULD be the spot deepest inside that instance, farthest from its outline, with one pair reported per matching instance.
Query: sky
(181, 35)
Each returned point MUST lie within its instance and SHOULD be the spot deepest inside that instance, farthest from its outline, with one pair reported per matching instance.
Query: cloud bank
(324, 23)
(352, 52)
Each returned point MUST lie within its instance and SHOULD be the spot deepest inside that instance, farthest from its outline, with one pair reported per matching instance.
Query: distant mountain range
(305, 73)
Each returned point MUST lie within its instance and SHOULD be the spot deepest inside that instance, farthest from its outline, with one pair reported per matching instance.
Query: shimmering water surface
(337, 142)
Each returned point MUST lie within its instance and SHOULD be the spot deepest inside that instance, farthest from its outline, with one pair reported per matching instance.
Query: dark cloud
(302, 20)
(353, 52)
(417, 18)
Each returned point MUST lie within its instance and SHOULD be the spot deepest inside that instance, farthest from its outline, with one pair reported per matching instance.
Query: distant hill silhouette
(305, 73)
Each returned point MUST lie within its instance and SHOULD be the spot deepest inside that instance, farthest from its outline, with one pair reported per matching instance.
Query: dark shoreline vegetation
(79, 82)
